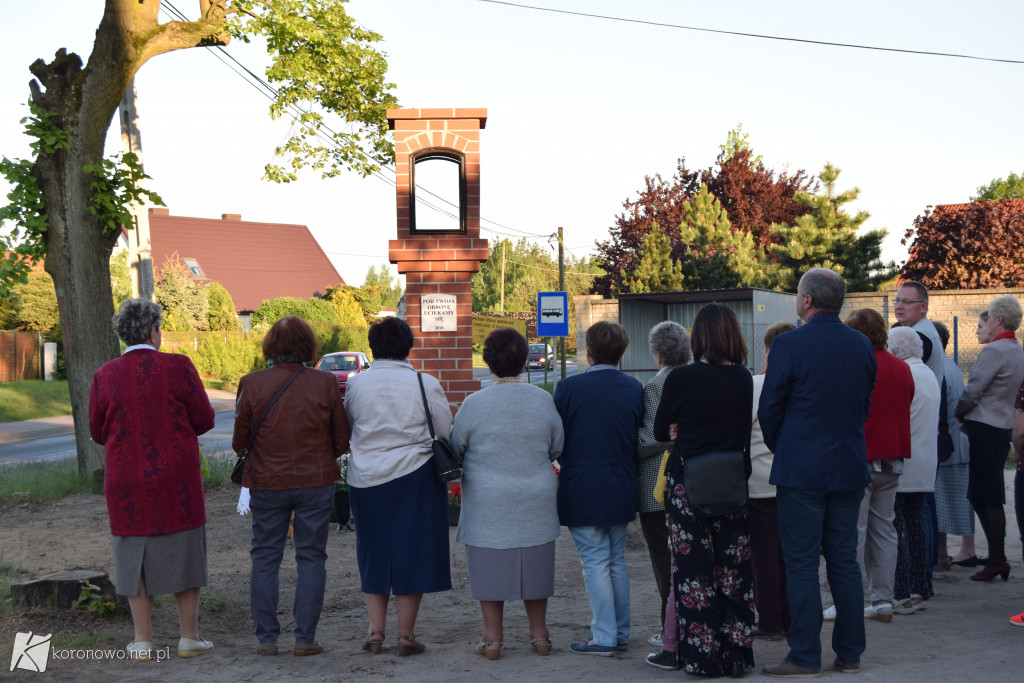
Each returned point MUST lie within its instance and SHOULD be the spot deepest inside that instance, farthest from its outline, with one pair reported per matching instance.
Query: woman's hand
(673, 431)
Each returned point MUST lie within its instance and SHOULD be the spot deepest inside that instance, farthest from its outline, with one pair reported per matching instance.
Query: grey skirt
(512, 573)
(169, 563)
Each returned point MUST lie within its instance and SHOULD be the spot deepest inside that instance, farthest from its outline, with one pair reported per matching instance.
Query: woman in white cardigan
(912, 586)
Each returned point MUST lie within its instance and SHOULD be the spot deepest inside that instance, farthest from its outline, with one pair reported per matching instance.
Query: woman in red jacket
(147, 409)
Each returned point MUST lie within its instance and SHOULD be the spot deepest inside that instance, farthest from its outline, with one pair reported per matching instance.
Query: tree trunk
(82, 103)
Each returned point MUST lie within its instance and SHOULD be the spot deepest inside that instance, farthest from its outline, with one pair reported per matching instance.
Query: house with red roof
(254, 261)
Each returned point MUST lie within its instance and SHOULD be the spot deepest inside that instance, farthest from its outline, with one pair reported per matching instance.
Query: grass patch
(32, 399)
(218, 468)
(212, 602)
(42, 481)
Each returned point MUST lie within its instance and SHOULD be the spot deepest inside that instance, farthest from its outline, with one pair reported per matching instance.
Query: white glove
(243, 502)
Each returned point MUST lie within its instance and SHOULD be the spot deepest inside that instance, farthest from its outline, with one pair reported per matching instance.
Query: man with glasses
(911, 306)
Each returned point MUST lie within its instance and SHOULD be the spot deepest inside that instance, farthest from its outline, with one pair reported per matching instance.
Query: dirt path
(962, 636)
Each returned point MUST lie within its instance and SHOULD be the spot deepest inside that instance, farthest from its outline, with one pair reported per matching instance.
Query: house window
(193, 267)
(438, 192)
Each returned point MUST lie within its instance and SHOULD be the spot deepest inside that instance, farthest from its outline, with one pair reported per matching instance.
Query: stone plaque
(437, 313)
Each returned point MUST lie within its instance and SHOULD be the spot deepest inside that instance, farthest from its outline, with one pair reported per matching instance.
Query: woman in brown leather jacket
(291, 468)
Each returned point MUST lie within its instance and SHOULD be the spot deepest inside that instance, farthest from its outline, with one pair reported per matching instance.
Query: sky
(581, 109)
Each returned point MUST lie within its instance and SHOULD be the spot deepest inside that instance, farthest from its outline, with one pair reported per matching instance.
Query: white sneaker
(140, 651)
(880, 612)
(193, 648)
(655, 640)
(829, 614)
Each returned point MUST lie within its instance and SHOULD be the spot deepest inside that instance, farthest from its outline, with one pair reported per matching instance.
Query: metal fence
(21, 356)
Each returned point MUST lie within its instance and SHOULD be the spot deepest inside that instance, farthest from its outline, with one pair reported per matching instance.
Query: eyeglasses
(898, 300)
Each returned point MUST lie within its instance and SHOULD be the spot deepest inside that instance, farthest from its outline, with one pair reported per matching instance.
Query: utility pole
(140, 254)
(501, 306)
(561, 288)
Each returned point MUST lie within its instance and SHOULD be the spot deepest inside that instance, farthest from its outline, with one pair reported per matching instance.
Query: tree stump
(62, 588)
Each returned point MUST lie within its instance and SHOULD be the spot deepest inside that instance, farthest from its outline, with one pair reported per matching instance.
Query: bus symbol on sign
(552, 314)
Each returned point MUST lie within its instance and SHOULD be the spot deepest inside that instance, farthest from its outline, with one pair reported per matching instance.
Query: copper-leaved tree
(68, 203)
(979, 245)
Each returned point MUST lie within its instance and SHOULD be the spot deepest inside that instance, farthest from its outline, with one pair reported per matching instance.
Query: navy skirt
(402, 534)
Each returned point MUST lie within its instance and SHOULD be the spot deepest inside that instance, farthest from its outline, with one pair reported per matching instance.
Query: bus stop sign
(552, 314)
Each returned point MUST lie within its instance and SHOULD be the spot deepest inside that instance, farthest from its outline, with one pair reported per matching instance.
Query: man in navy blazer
(816, 396)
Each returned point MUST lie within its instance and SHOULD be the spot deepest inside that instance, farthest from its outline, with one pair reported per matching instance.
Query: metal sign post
(552, 317)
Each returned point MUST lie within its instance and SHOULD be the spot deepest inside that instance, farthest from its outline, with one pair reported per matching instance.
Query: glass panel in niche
(438, 193)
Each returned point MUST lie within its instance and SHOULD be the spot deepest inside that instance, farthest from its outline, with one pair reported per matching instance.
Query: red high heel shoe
(1002, 571)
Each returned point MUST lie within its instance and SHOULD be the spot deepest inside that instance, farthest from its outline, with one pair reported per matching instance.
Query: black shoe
(737, 670)
(971, 561)
(663, 660)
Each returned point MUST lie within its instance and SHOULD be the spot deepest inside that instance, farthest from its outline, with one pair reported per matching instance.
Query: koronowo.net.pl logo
(33, 652)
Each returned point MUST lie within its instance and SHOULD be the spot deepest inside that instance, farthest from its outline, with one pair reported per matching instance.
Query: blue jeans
(809, 520)
(271, 514)
(602, 551)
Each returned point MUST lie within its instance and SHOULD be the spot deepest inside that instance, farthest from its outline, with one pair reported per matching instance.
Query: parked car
(343, 365)
(540, 355)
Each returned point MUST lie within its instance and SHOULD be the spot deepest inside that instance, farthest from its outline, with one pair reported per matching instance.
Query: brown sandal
(413, 648)
(541, 645)
(374, 645)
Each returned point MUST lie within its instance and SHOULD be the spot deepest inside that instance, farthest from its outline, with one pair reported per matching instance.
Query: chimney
(231, 216)
(159, 211)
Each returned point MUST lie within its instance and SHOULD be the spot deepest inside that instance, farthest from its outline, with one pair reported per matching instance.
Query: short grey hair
(827, 289)
(905, 343)
(671, 342)
(1008, 308)
(135, 319)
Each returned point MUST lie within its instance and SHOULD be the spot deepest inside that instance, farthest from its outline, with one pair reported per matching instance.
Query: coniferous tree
(655, 270)
(182, 298)
(220, 313)
(716, 256)
(826, 237)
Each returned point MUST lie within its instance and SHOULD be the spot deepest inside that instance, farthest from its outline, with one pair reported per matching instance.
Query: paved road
(44, 445)
(536, 376)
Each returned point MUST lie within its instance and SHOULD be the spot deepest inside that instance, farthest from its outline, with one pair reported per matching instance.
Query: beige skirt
(169, 563)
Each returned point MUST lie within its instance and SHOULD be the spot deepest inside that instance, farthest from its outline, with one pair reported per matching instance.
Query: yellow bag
(659, 486)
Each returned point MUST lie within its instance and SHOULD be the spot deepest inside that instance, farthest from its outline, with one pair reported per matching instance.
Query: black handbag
(239, 469)
(446, 465)
(716, 482)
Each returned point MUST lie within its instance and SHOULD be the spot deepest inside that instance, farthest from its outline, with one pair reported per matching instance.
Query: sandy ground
(962, 636)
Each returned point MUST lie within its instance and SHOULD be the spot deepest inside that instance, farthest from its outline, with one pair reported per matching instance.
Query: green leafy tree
(354, 306)
(735, 142)
(35, 304)
(826, 236)
(1010, 187)
(656, 271)
(314, 310)
(182, 298)
(220, 313)
(386, 285)
(120, 276)
(68, 203)
(714, 255)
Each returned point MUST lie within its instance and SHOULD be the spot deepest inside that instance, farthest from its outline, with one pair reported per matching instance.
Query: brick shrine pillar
(440, 262)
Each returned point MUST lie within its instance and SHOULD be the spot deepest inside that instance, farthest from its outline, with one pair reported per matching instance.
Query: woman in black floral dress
(709, 403)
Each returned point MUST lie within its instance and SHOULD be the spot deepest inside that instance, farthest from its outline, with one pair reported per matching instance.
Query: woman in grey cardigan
(507, 436)
(669, 343)
(986, 406)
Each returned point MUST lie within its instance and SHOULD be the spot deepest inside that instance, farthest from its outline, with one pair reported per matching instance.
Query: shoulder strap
(426, 408)
(270, 404)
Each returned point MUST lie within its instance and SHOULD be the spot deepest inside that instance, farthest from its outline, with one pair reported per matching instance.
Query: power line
(753, 35)
(268, 91)
(553, 270)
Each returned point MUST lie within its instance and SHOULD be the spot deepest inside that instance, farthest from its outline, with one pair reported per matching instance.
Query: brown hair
(290, 339)
(606, 342)
(870, 323)
(505, 352)
(716, 336)
(774, 331)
